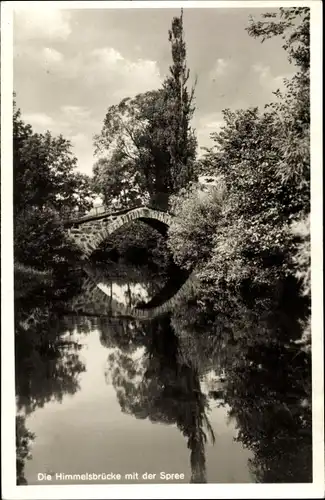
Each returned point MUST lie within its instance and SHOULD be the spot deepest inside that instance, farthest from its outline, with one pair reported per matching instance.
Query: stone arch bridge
(88, 232)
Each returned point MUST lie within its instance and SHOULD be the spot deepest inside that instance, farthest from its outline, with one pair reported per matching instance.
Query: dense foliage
(46, 187)
(257, 234)
(198, 213)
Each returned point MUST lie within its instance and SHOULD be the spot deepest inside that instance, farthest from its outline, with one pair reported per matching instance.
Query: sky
(71, 65)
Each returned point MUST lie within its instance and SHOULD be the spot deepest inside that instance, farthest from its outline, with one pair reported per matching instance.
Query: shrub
(197, 217)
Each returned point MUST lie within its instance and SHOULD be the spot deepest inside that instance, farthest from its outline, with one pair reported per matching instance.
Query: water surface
(99, 391)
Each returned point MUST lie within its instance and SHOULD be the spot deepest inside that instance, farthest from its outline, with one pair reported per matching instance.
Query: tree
(293, 106)
(180, 108)
(293, 25)
(266, 153)
(44, 175)
(115, 179)
(146, 143)
(133, 165)
(40, 242)
(46, 186)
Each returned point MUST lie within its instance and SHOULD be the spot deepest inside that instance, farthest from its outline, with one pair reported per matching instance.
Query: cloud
(34, 58)
(107, 65)
(100, 67)
(56, 123)
(80, 140)
(107, 56)
(75, 112)
(264, 72)
(73, 122)
(76, 124)
(68, 120)
(220, 68)
(39, 121)
(214, 126)
(267, 79)
(43, 23)
(51, 55)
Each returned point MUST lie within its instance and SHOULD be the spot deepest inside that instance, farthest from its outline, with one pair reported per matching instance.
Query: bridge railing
(77, 215)
(94, 212)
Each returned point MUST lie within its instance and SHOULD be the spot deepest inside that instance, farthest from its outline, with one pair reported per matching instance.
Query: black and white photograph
(162, 249)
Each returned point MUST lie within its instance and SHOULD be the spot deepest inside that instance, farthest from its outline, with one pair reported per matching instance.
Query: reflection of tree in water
(47, 368)
(156, 367)
(152, 384)
(47, 364)
(268, 392)
(126, 334)
(267, 376)
(23, 442)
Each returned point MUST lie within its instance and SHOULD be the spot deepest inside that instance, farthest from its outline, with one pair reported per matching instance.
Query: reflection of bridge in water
(102, 296)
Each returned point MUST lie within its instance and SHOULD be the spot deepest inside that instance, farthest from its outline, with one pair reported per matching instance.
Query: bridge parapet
(74, 217)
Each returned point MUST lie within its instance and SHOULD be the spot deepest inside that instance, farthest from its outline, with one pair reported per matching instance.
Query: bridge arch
(89, 232)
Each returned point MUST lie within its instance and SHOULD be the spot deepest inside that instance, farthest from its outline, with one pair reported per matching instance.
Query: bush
(197, 217)
(302, 257)
(40, 242)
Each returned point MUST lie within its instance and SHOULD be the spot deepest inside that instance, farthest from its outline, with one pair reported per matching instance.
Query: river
(101, 390)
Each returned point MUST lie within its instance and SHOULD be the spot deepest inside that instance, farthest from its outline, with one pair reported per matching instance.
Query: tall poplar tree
(179, 102)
